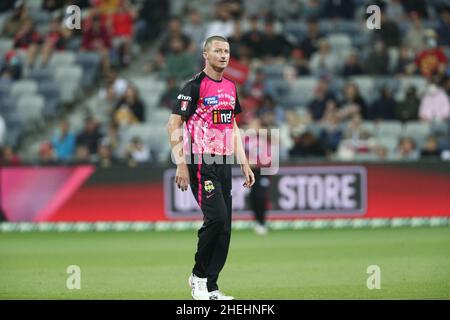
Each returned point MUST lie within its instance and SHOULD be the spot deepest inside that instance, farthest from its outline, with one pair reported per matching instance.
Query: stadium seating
(23, 87)
(30, 108)
(70, 76)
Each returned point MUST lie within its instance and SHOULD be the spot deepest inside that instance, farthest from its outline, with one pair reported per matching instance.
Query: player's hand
(182, 177)
(249, 176)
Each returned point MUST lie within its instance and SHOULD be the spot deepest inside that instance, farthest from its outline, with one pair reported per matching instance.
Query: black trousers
(259, 195)
(211, 186)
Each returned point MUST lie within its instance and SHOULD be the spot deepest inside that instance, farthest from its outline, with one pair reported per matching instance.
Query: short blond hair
(209, 41)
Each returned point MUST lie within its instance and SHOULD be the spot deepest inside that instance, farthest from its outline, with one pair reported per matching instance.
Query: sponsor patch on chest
(222, 116)
(211, 101)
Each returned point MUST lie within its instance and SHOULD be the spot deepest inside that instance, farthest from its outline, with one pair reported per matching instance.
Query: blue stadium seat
(41, 74)
(51, 92)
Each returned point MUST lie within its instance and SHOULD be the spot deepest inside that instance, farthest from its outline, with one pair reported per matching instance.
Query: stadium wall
(307, 191)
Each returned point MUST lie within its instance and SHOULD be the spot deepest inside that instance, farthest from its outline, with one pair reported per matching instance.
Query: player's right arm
(175, 130)
(182, 110)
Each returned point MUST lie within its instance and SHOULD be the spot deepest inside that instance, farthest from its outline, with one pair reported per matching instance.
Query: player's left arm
(242, 158)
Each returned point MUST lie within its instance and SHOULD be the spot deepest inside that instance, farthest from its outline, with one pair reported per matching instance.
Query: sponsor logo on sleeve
(184, 105)
(183, 97)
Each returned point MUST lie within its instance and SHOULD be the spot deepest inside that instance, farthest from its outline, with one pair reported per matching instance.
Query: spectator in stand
(287, 9)
(63, 143)
(254, 38)
(55, 39)
(53, 5)
(89, 139)
(323, 62)
(223, 24)
(82, 154)
(353, 103)
(352, 66)
(105, 156)
(106, 7)
(174, 32)
(137, 152)
(419, 6)
(269, 105)
(431, 149)
(11, 67)
(377, 62)
(169, 97)
(47, 154)
(435, 105)
(195, 29)
(96, 38)
(443, 29)
(292, 127)
(389, 33)
(307, 145)
(384, 107)
(8, 156)
(115, 86)
(18, 18)
(299, 63)
(406, 149)
(274, 44)
(238, 48)
(344, 9)
(331, 133)
(324, 100)
(354, 129)
(432, 60)
(29, 40)
(113, 140)
(259, 87)
(408, 108)
(395, 11)
(153, 16)
(249, 104)
(310, 44)
(312, 9)
(129, 109)
(179, 63)
(405, 64)
(259, 156)
(416, 35)
(123, 30)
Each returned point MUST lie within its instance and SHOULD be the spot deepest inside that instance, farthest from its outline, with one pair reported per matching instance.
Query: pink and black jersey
(209, 107)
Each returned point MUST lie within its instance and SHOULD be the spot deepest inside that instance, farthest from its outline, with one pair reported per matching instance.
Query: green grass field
(303, 264)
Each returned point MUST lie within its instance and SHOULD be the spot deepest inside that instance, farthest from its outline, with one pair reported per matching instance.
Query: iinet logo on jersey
(222, 116)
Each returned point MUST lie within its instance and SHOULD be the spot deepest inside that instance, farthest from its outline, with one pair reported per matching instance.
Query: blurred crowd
(311, 68)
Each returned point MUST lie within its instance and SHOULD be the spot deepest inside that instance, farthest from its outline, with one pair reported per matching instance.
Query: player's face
(218, 55)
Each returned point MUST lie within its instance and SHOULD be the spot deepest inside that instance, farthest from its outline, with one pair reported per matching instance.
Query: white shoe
(217, 295)
(261, 229)
(198, 285)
